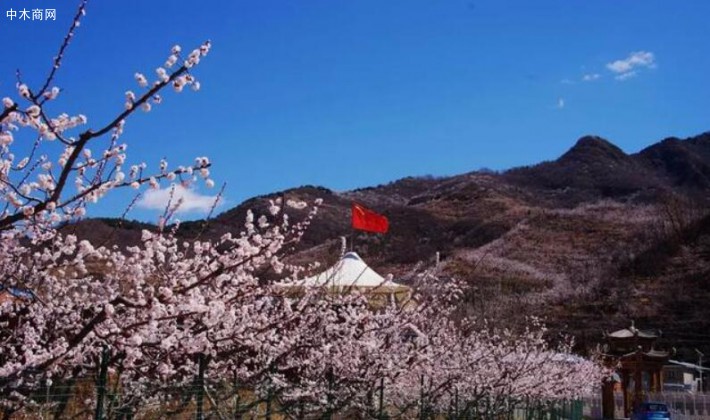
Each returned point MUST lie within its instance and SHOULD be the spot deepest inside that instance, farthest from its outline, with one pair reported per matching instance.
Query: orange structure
(639, 365)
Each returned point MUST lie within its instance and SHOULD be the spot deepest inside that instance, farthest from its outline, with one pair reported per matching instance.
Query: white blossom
(142, 81)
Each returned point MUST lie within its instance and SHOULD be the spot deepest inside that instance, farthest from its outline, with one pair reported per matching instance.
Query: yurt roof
(350, 272)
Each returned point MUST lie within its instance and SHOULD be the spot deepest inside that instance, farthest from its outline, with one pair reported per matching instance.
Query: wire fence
(685, 405)
(90, 398)
(101, 397)
(682, 405)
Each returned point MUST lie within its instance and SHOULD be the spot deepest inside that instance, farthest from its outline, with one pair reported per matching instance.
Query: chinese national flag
(367, 220)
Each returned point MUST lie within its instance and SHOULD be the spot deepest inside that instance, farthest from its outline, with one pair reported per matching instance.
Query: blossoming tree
(51, 166)
(158, 314)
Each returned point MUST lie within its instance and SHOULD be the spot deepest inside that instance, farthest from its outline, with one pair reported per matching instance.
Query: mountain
(682, 163)
(589, 241)
(593, 168)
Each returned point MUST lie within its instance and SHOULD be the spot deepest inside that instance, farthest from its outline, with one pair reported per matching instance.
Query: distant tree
(676, 214)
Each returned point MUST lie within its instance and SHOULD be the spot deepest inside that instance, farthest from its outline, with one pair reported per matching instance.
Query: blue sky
(347, 94)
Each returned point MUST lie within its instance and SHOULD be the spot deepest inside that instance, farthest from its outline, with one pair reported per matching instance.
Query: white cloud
(628, 67)
(192, 201)
(591, 77)
(560, 103)
(625, 76)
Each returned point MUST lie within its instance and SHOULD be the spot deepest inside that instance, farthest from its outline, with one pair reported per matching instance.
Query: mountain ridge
(555, 239)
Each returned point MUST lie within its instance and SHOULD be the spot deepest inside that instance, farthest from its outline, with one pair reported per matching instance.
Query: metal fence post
(421, 397)
(456, 402)
(237, 410)
(200, 383)
(330, 397)
(268, 406)
(101, 384)
(380, 413)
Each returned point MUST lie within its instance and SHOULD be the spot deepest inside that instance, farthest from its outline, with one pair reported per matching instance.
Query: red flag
(367, 220)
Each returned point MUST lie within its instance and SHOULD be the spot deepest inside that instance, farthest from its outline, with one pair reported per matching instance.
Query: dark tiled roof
(631, 332)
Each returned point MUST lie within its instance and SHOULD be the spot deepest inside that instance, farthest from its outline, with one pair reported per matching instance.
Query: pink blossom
(142, 81)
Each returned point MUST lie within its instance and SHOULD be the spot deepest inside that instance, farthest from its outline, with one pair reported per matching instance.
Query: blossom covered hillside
(548, 237)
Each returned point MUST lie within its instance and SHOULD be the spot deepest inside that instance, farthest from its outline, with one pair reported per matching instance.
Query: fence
(79, 399)
(84, 398)
(682, 405)
(100, 397)
(551, 410)
(97, 398)
(685, 405)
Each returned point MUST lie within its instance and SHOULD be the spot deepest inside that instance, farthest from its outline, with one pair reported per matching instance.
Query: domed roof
(350, 272)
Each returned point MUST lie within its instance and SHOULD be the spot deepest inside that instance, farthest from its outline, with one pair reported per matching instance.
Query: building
(682, 376)
(352, 274)
(639, 367)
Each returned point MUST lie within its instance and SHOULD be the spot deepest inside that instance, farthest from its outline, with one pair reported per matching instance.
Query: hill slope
(569, 239)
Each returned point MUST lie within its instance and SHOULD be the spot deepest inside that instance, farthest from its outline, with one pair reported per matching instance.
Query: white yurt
(351, 273)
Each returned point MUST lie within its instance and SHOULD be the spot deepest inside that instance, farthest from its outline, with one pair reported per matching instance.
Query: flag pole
(352, 226)
(283, 207)
(343, 245)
